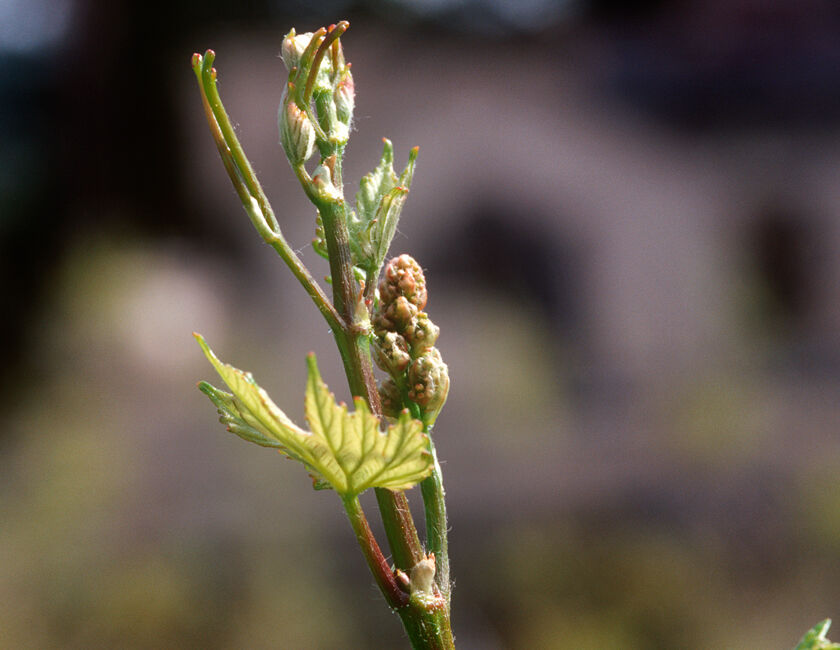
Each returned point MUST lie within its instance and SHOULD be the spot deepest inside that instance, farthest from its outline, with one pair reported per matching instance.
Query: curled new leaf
(376, 184)
(345, 451)
(379, 203)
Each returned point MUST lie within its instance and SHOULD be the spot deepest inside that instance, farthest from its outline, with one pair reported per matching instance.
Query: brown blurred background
(628, 214)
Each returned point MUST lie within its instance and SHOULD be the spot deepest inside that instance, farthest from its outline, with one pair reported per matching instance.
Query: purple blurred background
(628, 217)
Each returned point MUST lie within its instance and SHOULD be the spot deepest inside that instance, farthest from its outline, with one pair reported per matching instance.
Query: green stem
(427, 623)
(434, 503)
(353, 344)
(355, 353)
(248, 188)
(434, 500)
(211, 94)
(345, 296)
(330, 38)
(424, 614)
(399, 528)
(425, 617)
(382, 573)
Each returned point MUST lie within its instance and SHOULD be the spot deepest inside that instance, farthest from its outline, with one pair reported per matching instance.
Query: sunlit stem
(434, 500)
(248, 188)
(377, 563)
(332, 37)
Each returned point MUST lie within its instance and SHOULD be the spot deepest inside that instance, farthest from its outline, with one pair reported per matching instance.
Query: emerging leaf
(376, 184)
(345, 451)
(379, 203)
(815, 639)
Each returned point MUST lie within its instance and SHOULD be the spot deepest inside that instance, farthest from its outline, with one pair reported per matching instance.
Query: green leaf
(379, 203)
(345, 451)
(815, 639)
(232, 416)
(375, 185)
(384, 227)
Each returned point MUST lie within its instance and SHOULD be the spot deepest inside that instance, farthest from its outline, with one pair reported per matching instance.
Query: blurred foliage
(119, 527)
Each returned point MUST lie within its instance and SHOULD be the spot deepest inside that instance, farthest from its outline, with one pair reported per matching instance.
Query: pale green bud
(296, 133)
(293, 47)
(422, 577)
(395, 316)
(322, 180)
(345, 97)
(421, 334)
(391, 353)
(428, 383)
(389, 396)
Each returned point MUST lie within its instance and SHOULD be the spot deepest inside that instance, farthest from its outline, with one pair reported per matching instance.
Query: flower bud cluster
(404, 343)
(326, 92)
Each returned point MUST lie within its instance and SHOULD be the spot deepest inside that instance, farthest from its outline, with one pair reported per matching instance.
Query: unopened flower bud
(421, 334)
(395, 316)
(391, 353)
(296, 133)
(293, 47)
(403, 277)
(322, 180)
(345, 97)
(428, 383)
(391, 399)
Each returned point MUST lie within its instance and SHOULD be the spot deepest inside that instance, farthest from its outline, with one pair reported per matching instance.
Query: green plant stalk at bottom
(377, 563)
(425, 617)
(427, 625)
(354, 346)
(393, 506)
(434, 500)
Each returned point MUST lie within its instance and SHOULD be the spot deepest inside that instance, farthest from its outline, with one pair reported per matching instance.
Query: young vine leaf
(344, 451)
(379, 203)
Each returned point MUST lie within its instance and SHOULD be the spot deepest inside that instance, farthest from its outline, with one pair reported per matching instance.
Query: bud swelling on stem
(403, 277)
(395, 316)
(391, 353)
(389, 396)
(323, 184)
(428, 381)
(293, 47)
(421, 334)
(296, 133)
(403, 331)
(345, 97)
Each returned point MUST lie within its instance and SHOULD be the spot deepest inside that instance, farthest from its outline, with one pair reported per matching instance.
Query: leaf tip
(360, 405)
(202, 343)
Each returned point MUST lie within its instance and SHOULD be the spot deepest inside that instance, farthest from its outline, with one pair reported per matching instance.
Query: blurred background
(628, 216)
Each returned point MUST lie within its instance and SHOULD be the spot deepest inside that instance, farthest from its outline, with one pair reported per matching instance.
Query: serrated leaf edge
(251, 414)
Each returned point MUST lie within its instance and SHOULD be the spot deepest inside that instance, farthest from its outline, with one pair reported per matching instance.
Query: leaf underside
(345, 451)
